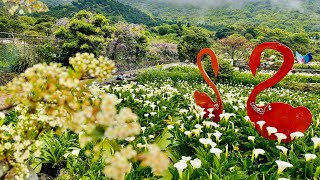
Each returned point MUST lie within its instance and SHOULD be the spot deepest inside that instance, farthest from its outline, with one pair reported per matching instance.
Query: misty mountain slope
(107, 7)
(292, 15)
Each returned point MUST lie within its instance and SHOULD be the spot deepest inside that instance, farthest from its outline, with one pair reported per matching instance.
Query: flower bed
(173, 126)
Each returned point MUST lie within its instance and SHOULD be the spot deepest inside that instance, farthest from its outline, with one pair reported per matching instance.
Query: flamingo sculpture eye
(202, 99)
(285, 118)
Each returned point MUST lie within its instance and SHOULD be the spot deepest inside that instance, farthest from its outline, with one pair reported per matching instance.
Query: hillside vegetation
(295, 16)
(115, 9)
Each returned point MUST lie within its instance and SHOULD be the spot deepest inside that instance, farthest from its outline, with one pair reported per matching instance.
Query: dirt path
(3, 104)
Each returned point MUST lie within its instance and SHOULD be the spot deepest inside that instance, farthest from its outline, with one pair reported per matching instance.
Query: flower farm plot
(230, 149)
(151, 129)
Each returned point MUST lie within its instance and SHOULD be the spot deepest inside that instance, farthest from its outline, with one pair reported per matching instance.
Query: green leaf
(253, 177)
(166, 175)
(247, 163)
(36, 165)
(163, 141)
(317, 173)
(107, 148)
(216, 162)
(214, 176)
(293, 157)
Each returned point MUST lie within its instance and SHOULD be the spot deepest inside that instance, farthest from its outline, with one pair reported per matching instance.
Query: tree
(224, 32)
(278, 35)
(85, 32)
(163, 51)
(129, 44)
(300, 42)
(234, 43)
(193, 40)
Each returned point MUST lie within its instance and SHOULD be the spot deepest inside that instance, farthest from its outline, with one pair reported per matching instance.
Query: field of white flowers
(231, 149)
(163, 136)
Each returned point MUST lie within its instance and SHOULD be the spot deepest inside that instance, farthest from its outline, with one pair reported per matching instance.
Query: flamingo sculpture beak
(215, 65)
(254, 61)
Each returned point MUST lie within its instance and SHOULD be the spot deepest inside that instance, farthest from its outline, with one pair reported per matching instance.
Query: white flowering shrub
(25, 6)
(52, 97)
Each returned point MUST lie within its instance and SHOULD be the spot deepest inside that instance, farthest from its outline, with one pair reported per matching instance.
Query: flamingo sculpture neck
(285, 118)
(202, 99)
(254, 63)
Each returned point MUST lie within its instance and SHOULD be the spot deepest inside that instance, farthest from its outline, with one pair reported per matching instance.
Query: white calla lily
(282, 165)
(196, 163)
(310, 157)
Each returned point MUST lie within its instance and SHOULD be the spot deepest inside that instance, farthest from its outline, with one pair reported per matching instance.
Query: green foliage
(41, 26)
(306, 66)
(85, 32)
(225, 73)
(53, 155)
(165, 29)
(23, 63)
(293, 81)
(13, 23)
(273, 14)
(53, 3)
(47, 52)
(224, 32)
(175, 73)
(44, 25)
(193, 40)
(8, 55)
(82, 168)
(11, 117)
(16, 57)
(108, 8)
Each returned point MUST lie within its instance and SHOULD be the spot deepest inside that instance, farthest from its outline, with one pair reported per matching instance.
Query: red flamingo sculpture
(202, 99)
(284, 117)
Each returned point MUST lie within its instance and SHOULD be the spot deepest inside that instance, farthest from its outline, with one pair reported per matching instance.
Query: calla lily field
(230, 149)
(159, 132)
(168, 90)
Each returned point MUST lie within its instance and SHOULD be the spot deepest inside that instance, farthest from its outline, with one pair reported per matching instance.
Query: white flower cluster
(118, 165)
(156, 159)
(25, 6)
(87, 65)
(19, 143)
(52, 96)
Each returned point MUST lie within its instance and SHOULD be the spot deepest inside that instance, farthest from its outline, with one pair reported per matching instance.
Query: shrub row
(228, 75)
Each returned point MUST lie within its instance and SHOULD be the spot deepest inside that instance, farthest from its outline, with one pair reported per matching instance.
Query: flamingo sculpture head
(285, 118)
(203, 99)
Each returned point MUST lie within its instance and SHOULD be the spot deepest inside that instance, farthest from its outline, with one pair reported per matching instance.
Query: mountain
(53, 3)
(291, 15)
(110, 8)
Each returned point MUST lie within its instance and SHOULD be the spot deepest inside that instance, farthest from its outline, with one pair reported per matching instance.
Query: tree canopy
(86, 32)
